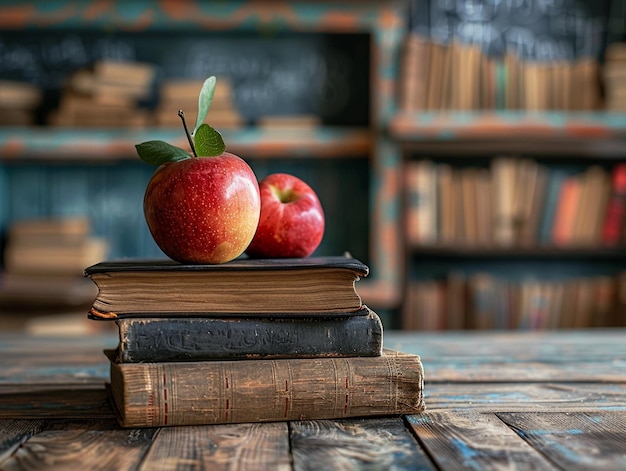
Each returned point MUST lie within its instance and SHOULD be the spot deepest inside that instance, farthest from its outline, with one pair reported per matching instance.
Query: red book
(614, 218)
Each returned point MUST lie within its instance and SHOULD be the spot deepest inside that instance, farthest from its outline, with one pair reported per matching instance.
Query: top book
(300, 286)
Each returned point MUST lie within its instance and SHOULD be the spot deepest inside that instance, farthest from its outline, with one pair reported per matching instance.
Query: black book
(160, 339)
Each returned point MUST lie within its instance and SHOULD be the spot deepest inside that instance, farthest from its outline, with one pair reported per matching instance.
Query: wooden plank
(50, 360)
(574, 441)
(74, 445)
(45, 401)
(471, 440)
(383, 443)
(220, 447)
(513, 397)
(15, 432)
(481, 356)
(487, 369)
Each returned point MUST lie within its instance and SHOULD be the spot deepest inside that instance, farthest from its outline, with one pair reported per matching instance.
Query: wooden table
(519, 400)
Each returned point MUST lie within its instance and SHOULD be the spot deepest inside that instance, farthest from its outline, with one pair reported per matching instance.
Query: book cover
(421, 193)
(504, 173)
(304, 286)
(553, 189)
(218, 392)
(613, 222)
(199, 338)
(566, 210)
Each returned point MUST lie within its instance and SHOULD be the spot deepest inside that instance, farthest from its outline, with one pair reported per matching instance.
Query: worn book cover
(200, 338)
(218, 392)
(296, 286)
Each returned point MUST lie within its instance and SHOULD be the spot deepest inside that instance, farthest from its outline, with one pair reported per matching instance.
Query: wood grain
(229, 447)
(472, 440)
(15, 432)
(382, 443)
(574, 441)
(509, 397)
(80, 445)
(45, 401)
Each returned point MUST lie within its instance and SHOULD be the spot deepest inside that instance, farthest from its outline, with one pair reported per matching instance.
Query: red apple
(203, 209)
(292, 219)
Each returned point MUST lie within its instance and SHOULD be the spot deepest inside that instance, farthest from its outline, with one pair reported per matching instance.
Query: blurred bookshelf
(400, 82)
(304, 88)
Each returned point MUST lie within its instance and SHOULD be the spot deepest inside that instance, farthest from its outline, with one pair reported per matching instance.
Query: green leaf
(208, 142)
(160, 152)
(204, 101)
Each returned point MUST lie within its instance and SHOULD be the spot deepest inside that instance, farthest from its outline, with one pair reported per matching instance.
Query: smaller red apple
(291, 224)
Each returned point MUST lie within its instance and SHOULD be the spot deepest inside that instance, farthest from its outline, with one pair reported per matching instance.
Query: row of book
(514, 202)
(488, 301)
(248, 341)
(458, 76)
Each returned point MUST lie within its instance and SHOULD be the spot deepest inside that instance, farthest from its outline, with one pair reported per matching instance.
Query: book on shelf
(224, 391)
(158, 339)
(613, 224)
(568, 203)
(177, 94)
(18, 103)
(52, 246)
(504, 184)
(298, 286)
(421, 201)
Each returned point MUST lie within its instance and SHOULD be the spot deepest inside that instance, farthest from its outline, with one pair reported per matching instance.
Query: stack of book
(18, 103)
(106, 94)
(182, 94)
(248, 341)
(44, 261)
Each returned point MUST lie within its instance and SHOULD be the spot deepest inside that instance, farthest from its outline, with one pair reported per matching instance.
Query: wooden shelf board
(541, 252)
(345, 16)
(24, 143)
(487, 124)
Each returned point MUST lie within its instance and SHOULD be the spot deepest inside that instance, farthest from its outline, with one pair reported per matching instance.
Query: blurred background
(472, 153)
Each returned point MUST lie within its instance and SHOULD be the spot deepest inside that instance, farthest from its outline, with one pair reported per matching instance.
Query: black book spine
(195, 338)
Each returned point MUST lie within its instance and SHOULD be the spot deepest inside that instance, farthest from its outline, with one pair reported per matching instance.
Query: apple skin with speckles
(203, 209)
(292, 219)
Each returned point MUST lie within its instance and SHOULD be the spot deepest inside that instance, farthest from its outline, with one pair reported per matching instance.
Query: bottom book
(237, 391)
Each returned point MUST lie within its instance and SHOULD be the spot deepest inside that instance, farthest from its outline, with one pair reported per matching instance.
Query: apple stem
(181, 113)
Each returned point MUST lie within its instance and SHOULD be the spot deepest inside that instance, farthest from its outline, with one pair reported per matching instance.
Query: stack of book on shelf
(44, 261)
(460, 76)
(182, 94)
(106, 94)
(18, 103)
(248, 341)
(614, 74)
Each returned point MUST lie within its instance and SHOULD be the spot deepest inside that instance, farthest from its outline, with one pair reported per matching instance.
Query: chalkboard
(542, 30)
(271, 73)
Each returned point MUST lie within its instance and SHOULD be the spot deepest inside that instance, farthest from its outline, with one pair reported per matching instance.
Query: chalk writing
(543, 30)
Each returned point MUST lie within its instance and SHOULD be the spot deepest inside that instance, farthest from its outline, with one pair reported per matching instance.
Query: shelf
(550, 132)
(537, 253)
(143, 15)
(88, 145)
